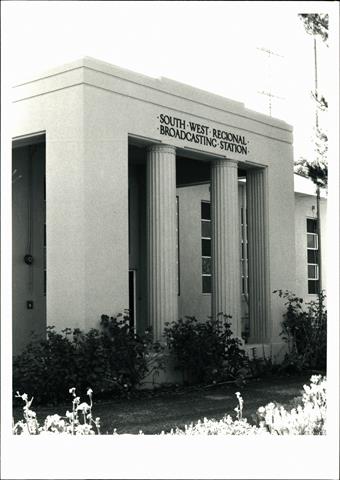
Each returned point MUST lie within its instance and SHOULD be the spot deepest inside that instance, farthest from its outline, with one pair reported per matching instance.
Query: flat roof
(162, 84)
(305, 186)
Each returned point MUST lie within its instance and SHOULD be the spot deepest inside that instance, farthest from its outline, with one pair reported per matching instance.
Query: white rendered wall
(60, 114)
(106, 207)
(86, 206)
(280, 230)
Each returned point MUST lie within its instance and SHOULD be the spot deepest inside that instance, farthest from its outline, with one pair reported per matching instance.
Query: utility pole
(318, 212)
(269, 93)
(316, 83)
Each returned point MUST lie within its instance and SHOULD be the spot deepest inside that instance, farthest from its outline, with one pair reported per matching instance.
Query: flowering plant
(78, 422)
(306, 419)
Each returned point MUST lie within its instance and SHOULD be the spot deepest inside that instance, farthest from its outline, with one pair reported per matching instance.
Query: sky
(214, 46)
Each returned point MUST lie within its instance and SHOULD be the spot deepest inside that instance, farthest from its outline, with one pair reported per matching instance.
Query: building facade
(147, 194)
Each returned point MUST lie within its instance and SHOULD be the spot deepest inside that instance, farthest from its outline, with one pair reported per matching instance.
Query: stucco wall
(59, 114)
(106, 209)
(281, 230)
(86, 207)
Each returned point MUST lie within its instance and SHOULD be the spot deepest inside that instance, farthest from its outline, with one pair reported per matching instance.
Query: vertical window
(244, 250)
(206, 246)
(312, 256)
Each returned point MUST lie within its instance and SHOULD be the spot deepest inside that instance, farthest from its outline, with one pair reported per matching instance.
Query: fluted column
(161, 237)
(258, 255)
(226, 280)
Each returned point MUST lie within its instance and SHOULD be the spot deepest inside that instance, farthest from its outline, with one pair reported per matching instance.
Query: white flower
(84, 407)
(31, 413)
(51, 420)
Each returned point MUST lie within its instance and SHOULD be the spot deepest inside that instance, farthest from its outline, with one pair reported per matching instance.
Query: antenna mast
(269, 93)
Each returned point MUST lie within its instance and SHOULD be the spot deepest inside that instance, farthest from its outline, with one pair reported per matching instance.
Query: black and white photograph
(170, 239)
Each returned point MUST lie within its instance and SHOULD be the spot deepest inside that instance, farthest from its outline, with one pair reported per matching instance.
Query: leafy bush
(205, 352)
(304, 328)
(113, 359)
(45, 367)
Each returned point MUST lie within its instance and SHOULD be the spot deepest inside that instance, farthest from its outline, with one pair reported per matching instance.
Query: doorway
(28, 241)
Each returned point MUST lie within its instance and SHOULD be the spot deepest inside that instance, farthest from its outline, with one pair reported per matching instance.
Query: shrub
(304, 328)
(113, 359)
(46, 367)
(205, 352)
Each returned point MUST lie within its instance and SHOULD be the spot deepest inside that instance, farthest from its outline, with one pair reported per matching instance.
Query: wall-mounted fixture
(28, 259)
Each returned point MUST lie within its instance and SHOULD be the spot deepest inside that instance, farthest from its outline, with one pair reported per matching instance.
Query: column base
(275, 351)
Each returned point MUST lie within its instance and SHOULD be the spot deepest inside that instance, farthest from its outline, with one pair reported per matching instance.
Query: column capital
(161, 148)
(225, 162)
